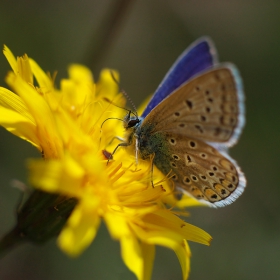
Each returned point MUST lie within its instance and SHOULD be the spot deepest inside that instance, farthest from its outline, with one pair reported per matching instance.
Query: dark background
(153, 33)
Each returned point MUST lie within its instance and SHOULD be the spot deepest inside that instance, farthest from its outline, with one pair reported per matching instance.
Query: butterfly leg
(152, 170)
(136, 148)
(124, 144)
(114, 138)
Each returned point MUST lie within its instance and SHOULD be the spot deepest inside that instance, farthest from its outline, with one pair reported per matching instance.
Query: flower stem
(10, 240)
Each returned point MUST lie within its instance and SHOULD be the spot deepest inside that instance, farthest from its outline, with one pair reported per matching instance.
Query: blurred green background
(153, 33)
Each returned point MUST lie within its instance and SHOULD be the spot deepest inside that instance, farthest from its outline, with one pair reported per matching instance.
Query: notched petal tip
(10, 57)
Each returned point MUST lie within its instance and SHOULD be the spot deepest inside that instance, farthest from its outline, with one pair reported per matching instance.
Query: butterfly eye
(132, 123)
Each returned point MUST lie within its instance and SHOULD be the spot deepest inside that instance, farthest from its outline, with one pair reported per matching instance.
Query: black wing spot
(199, 128)
(203, 177)
(214, 168)
(223, 87)
(186, 180)
(218, 131)
(176, 157)
(172, 141)
(194, 178)
(189, 104)
(192, 144)
(203, 118)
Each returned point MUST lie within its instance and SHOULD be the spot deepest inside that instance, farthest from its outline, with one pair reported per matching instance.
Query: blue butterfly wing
(196, 58)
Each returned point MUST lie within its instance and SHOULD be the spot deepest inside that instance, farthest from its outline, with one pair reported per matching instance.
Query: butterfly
(194, 116)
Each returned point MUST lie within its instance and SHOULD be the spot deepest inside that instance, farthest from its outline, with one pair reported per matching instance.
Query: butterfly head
(131, 121)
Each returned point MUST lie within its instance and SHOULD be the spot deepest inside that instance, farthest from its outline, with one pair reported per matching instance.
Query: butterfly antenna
(134, 112)
(131, 103)
(110, 119)
(111, 102)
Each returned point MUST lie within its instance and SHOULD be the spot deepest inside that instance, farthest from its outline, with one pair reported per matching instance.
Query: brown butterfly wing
(198, 122)
(209, 107)
(200, 169)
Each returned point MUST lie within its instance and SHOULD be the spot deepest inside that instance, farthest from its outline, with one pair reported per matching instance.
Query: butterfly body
(187, 131)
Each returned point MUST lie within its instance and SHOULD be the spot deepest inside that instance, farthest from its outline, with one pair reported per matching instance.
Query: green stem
(10, 240)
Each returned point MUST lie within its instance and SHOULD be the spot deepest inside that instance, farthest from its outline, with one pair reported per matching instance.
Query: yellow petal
(41, 113)
(183, 202)
(12, 101)
(181, 249)
(132, 255)
(19, 125)
(79, 232)
(164, 219)
(34, 101)
(44, 81)
(184, 254)
(79, 73)
(24, 69)
(148, 252)
(107, 84)
(117, 225)
(79, 143)
(58, 176)
(11, 59)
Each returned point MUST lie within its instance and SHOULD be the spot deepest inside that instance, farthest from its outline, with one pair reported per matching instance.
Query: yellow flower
(74, 128)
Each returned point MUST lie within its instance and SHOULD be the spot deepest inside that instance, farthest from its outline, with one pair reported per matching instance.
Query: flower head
(75, 129)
